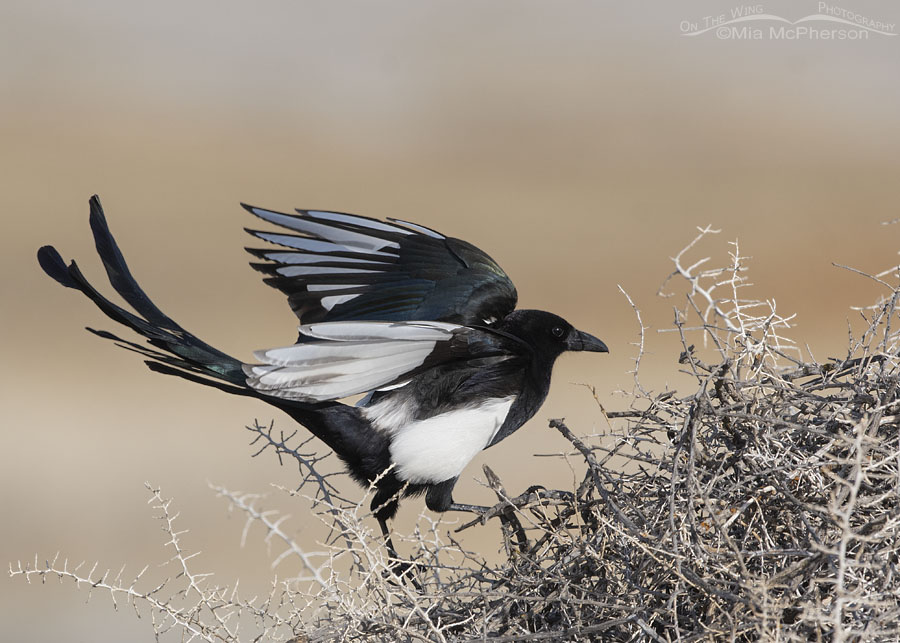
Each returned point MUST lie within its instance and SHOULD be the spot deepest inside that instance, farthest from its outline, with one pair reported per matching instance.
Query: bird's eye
(557, 331)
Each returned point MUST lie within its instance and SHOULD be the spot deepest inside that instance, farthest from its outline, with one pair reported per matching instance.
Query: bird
(423, 325)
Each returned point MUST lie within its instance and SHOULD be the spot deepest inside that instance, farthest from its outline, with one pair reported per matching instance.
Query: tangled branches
(762, 505)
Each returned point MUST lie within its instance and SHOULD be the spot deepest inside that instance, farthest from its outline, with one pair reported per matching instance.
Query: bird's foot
(506, 508)
(405, 571)
(399, 570)
(480, 510)
(484, 513)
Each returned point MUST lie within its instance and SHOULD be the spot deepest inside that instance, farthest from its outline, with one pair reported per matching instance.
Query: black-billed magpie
(424, 325)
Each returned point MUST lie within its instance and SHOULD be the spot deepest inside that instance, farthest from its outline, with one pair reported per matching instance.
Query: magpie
(423, 325)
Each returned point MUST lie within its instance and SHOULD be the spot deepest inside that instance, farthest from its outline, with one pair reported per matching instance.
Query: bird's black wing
(344, 267)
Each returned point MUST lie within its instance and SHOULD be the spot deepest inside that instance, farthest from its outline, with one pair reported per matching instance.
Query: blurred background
(578, 143)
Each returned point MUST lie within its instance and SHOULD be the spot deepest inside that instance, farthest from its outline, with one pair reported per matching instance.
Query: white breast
(439, 448)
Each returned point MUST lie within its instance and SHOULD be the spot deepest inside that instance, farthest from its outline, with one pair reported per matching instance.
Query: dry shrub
(763, 505)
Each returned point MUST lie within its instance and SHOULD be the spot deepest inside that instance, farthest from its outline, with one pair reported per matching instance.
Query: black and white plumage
(421, 323)
(348, 267)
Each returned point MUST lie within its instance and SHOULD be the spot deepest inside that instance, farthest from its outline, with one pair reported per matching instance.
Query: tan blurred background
(578, 143)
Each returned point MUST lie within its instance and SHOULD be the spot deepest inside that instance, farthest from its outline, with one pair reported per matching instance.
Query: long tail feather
(190, 353)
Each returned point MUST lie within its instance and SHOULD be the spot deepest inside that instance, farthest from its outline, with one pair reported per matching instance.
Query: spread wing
(340, 359)
(338, 267)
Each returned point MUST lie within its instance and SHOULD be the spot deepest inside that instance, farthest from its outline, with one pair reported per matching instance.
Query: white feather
(437, 448)
(355, 331)
(394, 386)
(388, 413)
(420, 228)
(293, 383)
(355, 220)
(303, 258)
(330, 302)
(348, 358)
(315, 245)
(335, 352)
(324, 231)
(294, 271)
(321, 287)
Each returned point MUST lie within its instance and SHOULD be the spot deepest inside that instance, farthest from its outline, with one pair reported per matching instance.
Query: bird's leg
(388, 543)
(384, 506)
(440, 498)
(397, 566)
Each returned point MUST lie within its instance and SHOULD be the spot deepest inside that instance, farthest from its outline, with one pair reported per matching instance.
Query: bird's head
(549, 335)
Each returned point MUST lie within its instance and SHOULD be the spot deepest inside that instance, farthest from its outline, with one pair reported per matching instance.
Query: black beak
(579, 341)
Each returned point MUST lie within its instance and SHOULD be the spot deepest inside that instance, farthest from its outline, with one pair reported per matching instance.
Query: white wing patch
(419, 228)
(438, 448)
(341, 236)
(308, 244)
(354, 219)
(333, 300)
(348, 358)
(360, 331)
(291, 257)
(321, 287)
(295, 271)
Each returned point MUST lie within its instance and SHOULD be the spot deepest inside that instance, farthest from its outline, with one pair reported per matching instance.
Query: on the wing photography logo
(752, 22)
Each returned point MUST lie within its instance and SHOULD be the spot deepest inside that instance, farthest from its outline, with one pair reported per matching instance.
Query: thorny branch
(762, 504)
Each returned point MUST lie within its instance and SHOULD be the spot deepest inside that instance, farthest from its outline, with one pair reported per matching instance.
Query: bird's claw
(405, 571)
